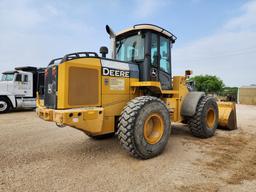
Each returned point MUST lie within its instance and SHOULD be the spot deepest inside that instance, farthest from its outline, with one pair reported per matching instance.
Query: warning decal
(117, 84)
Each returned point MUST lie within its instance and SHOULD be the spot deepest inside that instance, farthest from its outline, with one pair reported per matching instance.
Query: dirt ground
(37, 156)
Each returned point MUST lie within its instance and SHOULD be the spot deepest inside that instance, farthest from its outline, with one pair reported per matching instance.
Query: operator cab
(13, 76)
(23, 81)
(8, 76)
(150, 47)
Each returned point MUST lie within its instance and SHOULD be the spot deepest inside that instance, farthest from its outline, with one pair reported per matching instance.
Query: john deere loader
(133, 94)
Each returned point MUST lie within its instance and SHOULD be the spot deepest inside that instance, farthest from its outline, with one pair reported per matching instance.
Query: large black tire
(131, 127)
(205, 121)
(5, 105)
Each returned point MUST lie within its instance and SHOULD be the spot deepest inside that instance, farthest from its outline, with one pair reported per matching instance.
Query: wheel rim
(3, 106)
(153, 128)
(210, 118)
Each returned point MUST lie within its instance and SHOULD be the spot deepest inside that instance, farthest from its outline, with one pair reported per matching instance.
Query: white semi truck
(18, 88)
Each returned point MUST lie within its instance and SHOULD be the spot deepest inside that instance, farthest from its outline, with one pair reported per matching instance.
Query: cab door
(18, 88)
(27, 86)
(160, 69)
(165, 63)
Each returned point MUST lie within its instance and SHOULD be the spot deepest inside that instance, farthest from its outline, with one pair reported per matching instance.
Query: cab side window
(154, 49)
(165, 55)
(18, 77)
(25, 78)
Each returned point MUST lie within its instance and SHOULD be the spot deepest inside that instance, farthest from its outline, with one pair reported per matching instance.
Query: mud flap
(227, 115)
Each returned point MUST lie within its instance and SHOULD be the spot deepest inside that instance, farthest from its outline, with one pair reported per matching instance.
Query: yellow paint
(86, 119)
(225, 109)
(153, 84)
(153, 128)
(179, 84)
(108, 89)
(113, 101)
(108, 125)
(63, 79)
(44, 113)
(174, 97)
(210, 118)
(173, 105)
(145, 27)
(115, 93)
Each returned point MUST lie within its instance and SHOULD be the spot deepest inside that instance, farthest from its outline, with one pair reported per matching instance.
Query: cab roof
(27, 68)
(10, 72)
(149, 27)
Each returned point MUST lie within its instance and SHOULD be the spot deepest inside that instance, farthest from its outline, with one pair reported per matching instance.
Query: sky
(214, 37)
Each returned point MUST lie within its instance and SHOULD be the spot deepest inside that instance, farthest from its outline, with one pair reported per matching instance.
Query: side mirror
(103, 51)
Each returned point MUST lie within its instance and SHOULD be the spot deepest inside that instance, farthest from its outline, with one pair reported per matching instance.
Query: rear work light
(54, 71)
(45, 72)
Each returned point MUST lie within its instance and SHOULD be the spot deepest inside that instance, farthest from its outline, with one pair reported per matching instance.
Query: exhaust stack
(112, 36)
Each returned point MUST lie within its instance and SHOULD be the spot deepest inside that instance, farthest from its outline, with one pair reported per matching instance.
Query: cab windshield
(130, 49)
(7, 77)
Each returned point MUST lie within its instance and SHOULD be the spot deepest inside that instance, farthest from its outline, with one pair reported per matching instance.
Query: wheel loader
(133, 94)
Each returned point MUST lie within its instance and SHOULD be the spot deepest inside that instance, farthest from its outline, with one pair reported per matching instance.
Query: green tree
(208, 83)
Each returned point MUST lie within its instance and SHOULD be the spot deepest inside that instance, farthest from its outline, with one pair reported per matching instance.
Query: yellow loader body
(133, 94)
(94, 109)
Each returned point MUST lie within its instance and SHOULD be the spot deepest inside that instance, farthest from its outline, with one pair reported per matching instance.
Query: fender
(188, 107)
(11, 98)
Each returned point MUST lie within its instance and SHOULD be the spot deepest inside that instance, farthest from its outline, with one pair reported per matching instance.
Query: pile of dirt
(233, 153)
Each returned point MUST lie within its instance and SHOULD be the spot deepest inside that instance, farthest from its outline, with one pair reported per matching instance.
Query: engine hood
(4, 88)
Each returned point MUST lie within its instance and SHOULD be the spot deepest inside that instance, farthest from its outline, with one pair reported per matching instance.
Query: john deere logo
(115, 72)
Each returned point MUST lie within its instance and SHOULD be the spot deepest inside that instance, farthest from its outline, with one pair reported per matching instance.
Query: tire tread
(195, 123)
(127, 121)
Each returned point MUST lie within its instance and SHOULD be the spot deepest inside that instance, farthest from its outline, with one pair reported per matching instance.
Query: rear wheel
(144, 127)
(4, 105)
(205, 121)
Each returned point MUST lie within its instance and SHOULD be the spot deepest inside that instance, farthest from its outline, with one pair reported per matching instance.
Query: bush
(209, 84)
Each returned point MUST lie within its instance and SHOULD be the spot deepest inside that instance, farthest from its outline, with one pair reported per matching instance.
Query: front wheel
(144, 127)
(4, 105)
(205, 121)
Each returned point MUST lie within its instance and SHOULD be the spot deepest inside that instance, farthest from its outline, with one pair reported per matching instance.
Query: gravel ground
(37, 156)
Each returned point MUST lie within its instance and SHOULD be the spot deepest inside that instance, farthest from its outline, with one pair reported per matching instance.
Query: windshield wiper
(120, 45)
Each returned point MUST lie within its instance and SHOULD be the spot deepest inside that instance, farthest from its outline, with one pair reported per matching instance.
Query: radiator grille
(83, 86)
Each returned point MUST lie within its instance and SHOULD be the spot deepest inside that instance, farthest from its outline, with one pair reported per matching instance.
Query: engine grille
(83, 88)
